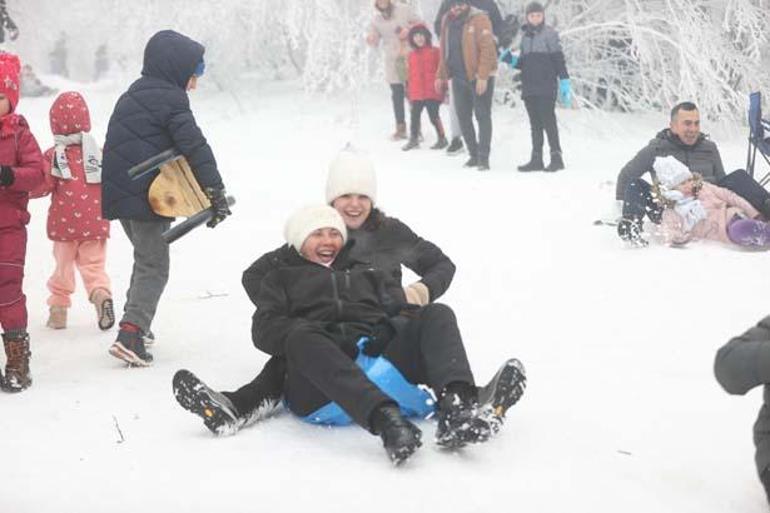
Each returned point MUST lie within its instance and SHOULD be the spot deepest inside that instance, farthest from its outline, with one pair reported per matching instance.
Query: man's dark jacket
(151, 117)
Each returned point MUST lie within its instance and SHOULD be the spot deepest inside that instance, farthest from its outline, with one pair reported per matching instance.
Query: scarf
(689, 208)
(92, 157)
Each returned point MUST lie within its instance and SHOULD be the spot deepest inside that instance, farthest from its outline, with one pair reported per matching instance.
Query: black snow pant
(398, 96)
(427, 350)
(433, 107)
(468, 103)
(267, 385)
(639, 200)
(542, 116)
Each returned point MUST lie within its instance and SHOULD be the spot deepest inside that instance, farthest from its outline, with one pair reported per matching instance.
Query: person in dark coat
(684, 141)
(543, 75)
(316, 310)
(742, 365)
(151, 117)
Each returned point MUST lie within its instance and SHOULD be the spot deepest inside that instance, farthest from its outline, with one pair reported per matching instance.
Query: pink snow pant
(13, 303)
(89, 257)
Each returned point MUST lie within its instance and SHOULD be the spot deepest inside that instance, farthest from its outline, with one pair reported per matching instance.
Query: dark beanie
(535, 7)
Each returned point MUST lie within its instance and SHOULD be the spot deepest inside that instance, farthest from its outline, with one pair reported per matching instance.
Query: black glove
(6, 176)
(219, 204)
(381, 336)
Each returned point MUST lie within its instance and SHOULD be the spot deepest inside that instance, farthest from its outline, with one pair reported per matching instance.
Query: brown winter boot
(57, 318)
(17, 375)
(400, 132)
(105, 310)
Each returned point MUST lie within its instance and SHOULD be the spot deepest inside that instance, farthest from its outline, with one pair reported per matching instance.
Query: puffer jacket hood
(172, 57)
(69, 114)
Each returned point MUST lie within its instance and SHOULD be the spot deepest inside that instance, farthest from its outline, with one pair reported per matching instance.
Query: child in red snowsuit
(423, 65)
(21, 170)
(75, 224)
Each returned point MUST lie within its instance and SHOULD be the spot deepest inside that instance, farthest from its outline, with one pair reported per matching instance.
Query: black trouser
(398, 95)
(267, 385)
(468, 103)
(427, 350)
(542, 116)
(433, 107)
(639, 200)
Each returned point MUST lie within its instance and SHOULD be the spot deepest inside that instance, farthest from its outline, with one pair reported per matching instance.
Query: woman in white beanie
(695, 209)
(319, 309)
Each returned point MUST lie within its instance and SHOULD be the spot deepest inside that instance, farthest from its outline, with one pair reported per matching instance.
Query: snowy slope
(622, 411)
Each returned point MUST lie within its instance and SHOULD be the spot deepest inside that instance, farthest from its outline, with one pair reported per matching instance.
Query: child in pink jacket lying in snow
(699, 210)
(75, 224)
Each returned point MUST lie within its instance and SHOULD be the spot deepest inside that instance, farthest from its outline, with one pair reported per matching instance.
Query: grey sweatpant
(742, 364)
(150, 273)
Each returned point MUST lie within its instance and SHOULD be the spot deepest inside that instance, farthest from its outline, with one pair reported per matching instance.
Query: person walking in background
(391, 26)
(75, 223)
(543, 75)
(21, 171)
(469, 61)
(423, 64)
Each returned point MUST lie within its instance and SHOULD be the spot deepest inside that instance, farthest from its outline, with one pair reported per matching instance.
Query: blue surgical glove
(509, 58)
(565, 92)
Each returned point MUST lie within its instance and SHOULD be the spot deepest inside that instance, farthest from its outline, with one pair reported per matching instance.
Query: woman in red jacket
(21, 170)
(423, 64)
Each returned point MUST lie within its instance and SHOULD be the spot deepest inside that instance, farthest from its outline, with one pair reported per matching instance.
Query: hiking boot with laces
(217, 411)
(461, 421)
(129, 347)
(57, 317)
(504, 390)
(17, 375)
(105, 310)
(400, 437)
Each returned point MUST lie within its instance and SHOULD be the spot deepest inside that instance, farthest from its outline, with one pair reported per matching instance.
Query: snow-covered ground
(622, 412)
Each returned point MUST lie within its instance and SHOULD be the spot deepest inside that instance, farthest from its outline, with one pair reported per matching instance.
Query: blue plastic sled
(414, 401)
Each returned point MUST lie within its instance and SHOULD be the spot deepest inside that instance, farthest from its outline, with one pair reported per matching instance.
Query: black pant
(398, 95)
(433, 107)
(468, 103)
(427, 350)
(639, 200)
(267, 385)
(542, 116)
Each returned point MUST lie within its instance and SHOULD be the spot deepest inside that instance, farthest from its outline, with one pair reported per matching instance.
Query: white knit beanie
(306, 220)
(351, 173)
(670, 171)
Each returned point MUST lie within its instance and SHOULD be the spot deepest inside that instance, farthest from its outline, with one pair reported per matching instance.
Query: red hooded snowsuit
(20, 151)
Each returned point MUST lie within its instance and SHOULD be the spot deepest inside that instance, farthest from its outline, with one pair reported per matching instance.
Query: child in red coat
(21, 170)
(75, 224)
(423, 64)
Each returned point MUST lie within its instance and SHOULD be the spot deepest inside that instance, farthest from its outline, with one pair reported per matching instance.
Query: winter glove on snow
(508, 58)
(381, 336)
(6, 176)
(219, 204)
(417, 294)
(565, 92)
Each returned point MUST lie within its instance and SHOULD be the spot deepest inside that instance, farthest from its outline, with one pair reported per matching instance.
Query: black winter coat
(153, 116)
(346, 301)
(541, 61)
(702, 157)
(385, 246)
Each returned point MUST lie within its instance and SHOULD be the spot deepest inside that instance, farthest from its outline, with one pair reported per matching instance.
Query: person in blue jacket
(151, 117)
(543, 77)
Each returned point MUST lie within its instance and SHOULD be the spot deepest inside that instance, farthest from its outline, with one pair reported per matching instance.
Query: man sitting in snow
(684, 141)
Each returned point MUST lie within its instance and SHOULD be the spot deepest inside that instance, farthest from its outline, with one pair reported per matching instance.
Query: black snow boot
(412, 144)
(630, 230)
(557, 163)
(460, 420)
(535, 163)
(400, 437)
(504, 389)
(216, 410)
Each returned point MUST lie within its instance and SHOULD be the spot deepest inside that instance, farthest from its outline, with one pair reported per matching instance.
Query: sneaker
(148, 338)
(504, 389)
(455, 146)
(57, 318)
(17, 374)
(105, 310)
(471, 162)
(535, 164)
(412, 144)
(129, 347)
(460, 422)
(400, 437)
(440, 144)
(217, 411)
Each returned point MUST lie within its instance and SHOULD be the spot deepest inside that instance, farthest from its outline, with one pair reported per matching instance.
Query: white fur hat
(351, 173)
(306, 220)
(670, 171)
